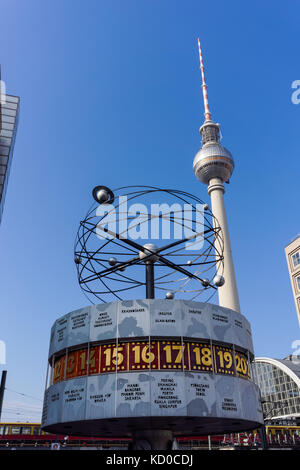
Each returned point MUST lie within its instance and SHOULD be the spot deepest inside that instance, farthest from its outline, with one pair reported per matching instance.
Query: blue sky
(111, 94)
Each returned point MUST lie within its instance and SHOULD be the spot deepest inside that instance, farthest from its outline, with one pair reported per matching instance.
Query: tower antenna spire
(204, 86)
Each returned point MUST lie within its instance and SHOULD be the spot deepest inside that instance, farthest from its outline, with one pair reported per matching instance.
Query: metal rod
(2, 388)
(263, 437)
(156, 253)
(149, 280)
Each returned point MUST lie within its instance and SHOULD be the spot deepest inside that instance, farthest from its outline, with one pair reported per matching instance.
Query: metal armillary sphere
(139, 240)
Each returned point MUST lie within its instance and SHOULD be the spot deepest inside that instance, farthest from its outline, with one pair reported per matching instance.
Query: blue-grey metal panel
(74, 400)
(103, 321)
(239, 330)
(249, 345)
(133, 395)
(60, 339)
(52, 340)
(133, 318)
(200, 394)
(196, 319)
(154, 394)
(79, 327)
(144, 318)
(228, 397)
(101, 396)
(250, 401)
(220, 324)
(52, 404)
(166, 318)
(168, 394)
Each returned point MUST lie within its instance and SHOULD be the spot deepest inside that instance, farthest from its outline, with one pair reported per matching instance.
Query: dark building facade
(9, 109)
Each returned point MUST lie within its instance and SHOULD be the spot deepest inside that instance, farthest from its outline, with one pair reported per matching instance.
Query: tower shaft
(228, 294)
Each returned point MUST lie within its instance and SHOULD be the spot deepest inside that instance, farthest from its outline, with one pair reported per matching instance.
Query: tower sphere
(213, 161)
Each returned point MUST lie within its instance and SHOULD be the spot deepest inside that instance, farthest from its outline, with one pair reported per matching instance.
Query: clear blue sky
(111, 94)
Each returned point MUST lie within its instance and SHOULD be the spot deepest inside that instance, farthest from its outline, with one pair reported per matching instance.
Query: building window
(26, 430)
(15, 430)
(296, 259)
(298, 283)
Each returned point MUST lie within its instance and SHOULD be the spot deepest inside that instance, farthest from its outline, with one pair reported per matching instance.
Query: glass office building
(279, 383)
(9, 108)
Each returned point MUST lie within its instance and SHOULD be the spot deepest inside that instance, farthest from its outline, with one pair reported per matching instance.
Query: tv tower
(213, 165)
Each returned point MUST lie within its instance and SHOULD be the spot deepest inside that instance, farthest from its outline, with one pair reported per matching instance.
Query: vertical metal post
(263, 437)
(2, 388)
(149, 280)
(154, 439)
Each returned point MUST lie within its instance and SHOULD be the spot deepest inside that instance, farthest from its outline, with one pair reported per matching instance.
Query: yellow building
(292, 252)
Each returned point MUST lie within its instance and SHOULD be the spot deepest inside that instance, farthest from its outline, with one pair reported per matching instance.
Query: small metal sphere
(112, 261)
(103, 195)
(205, 282)
(219, 281)
(77, 260)
(144, 254)
(189, 262)
(122, 268)
(206, 207)
(169, 295)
